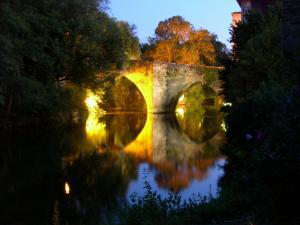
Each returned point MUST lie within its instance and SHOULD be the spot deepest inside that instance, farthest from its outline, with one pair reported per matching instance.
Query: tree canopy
(262, 82)
(177, 41)
(44, 44)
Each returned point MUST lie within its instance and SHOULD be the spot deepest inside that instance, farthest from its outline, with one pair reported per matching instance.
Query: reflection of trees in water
(32, 180)
(177, 176)
(32, 177)
(202, 128)
(177, 172)
(199, 120)
(121, 129)
(96, 177)
(201, 123)
(98, 181)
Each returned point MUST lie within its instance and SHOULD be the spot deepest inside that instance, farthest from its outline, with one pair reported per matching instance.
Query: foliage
(97, 180)
(130, 41)
(177, 41)
(257, 56)
(262, 149)
(49, 46)
(152, 209)
(118, 95)
(174, 27)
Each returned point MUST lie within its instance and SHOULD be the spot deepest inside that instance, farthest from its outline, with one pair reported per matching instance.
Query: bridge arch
(161, 83)
(174, 101)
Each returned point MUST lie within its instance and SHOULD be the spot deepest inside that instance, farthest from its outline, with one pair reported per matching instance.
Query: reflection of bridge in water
(161, 138)
(161, 143)
(161, 83)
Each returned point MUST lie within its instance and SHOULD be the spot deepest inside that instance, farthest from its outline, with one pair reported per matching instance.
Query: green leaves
(54, 43)
(261, 82)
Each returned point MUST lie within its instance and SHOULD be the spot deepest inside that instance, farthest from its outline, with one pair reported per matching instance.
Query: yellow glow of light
(91, 101)
(223, 125)
(141, 147)
(180, 112)
(181, 99)
(67, 188)
(95, 130)
(227, 104)
(144, 82)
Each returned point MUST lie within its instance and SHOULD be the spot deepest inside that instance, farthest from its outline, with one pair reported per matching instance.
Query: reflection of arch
(108, 128)
(160, 136)
(176, 158)
(142, 146)
(197, 119)
(161, 144)
(123, 128)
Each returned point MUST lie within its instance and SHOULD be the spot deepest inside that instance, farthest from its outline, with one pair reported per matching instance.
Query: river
(83, 171)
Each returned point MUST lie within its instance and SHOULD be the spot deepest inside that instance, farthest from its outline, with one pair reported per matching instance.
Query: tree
(262, 83)
(198, 49)
(177, 41)
(175, 27)
(130, 41)
(48, 47)
(257, 57)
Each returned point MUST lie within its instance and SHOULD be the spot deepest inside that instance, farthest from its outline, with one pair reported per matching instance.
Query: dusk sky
(213, 15)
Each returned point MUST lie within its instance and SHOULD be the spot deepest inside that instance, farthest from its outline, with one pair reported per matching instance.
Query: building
(291, 27)
(246, 5)
(236, 18)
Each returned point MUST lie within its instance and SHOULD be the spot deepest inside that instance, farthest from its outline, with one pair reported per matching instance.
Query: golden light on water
(67, 188)
(223, 125)
(142, 146)
(95, 130)
(91, 101)
(227, 104)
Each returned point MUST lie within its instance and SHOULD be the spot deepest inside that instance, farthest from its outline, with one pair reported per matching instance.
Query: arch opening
(197, 112)
(144, 82)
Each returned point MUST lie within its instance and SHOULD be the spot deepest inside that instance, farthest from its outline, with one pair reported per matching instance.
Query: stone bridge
(161, 84)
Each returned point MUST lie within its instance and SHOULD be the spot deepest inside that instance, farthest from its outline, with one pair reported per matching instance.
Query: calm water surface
(170, 152)
(77, 173)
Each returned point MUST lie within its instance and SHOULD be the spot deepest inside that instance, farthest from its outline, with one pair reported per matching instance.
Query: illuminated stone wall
(162, 83)
(169, 81)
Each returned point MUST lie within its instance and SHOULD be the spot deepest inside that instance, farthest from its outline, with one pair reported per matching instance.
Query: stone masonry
(162, 83)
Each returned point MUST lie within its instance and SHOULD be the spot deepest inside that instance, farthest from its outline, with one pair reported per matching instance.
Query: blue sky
(213, 15)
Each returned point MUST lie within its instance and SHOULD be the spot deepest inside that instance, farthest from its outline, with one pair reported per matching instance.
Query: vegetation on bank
(51, 51)
(262, 83)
